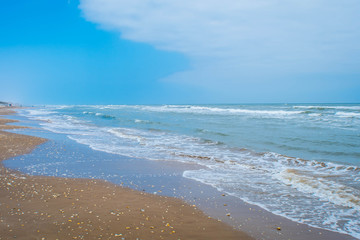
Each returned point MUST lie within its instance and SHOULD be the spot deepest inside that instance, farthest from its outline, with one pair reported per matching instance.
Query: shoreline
(41, 207)
(251, 219)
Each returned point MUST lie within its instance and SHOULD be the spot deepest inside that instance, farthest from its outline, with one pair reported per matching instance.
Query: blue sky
(157, 51)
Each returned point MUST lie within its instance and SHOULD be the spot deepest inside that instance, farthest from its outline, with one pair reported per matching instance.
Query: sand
(38, 207)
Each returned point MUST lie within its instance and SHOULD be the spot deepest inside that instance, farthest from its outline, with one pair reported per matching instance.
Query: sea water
(298, 161)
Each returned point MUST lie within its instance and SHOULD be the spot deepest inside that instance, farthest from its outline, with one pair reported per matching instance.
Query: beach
(40, 207)
(71, 190)
(180, 120)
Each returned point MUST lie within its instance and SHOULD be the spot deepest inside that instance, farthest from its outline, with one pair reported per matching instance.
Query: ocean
(299, 161)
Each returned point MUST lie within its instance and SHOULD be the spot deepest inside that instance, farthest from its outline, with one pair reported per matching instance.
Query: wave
(217, 110)
(316, 112)
(321, 108)
(290, 187)
(348, 114)
(102, 115)
(36, 112)
(325, 190)
(127, 134)
(200, 109)
(108, 116)
(141, 121)
(303, 208)
(201, 130)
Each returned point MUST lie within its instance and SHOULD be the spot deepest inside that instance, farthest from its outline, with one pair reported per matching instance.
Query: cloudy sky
(162, 51)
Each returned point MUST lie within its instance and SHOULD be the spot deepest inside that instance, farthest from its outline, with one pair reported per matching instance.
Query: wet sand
(39, 207)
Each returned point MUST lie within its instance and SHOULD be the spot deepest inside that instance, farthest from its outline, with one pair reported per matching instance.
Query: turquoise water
(298, 161)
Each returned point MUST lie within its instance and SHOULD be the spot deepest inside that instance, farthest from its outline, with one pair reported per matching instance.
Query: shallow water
(297, 161)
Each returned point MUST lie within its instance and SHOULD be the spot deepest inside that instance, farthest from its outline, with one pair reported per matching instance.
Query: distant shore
(38, 207)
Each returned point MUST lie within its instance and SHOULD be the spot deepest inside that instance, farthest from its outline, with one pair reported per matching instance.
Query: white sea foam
(203, 110)
(125, 133)
(348, 114)
(39, 113)
(316, 113)
(142, 121)
(320, 107)
(216, 110)
(294, 205)
(324, 189)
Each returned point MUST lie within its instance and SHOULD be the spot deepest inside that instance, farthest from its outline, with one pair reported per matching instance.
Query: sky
(179, 52)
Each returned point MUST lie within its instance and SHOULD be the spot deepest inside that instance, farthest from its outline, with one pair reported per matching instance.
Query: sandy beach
(37, 207)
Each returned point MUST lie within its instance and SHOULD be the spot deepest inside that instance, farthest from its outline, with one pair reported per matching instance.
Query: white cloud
(232, 38)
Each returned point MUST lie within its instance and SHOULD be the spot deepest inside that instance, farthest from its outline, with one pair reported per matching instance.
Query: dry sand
(37, 207)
